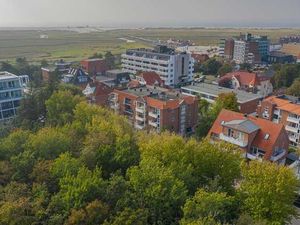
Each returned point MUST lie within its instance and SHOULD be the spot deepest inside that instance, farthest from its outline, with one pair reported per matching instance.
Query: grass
(76, 46)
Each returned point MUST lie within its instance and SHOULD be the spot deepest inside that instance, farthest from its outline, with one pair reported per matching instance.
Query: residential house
(258, 138)
(250, 82)
(283, 110)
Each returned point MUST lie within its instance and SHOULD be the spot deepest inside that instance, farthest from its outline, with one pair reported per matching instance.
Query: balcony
(139, 127)
(140, 109)
(153, 115)
(293, 138)
(278, 155)
(140, 118)
(291, 129)
(293, 119)
(153, 124)
(233, 141)
(115, 106)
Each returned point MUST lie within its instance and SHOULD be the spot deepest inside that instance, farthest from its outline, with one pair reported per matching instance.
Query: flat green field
(74, 46)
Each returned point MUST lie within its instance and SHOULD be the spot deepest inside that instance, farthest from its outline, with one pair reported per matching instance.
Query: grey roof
(246, 126)
(215, 90)
(116, 71)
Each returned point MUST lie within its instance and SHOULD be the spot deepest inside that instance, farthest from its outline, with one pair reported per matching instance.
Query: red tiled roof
(284, 104)
(245, 78)
(170, 104)
(266, 127)
(133, 84)
(151, 78)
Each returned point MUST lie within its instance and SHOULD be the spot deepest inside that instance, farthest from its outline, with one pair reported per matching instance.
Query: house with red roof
(250, 82)
(258, 138)
(97, 93)
(156, 109)
(283, 110)
(146, 78)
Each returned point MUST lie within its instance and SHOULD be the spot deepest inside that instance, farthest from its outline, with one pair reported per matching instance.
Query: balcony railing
(293, 119)
(278, 156)
(140, 118)
(233, 141)
(153, 124)
(153, 115)
(138, 126)
(140, 109)
(292, 129)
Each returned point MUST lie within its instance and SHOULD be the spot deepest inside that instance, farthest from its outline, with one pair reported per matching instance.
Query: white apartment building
(240, 54)
(173, 68)
(11, 93)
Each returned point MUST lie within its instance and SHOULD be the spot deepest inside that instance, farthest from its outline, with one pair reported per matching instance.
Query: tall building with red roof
(155, 108)
(258, 138)
(283, 110)
(250, 82)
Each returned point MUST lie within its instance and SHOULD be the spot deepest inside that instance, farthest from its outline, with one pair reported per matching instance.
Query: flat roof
(156, 93)
(215, 90)
(7, 75)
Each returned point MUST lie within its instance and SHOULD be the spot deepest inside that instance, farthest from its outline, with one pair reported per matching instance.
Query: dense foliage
(88, 166)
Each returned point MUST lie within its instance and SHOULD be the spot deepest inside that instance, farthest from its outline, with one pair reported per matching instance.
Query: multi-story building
(250, 49)
(11, 93)
(174, 68)
(247, 101)
(226, 48)
(241, 52)
(283, 110)
(94, 66)
(258, 138)
(154, 108)
(250, 82)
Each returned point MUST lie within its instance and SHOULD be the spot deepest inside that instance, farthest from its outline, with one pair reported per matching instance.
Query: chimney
(141, 90)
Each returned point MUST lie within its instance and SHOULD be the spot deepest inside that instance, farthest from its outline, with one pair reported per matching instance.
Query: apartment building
(283, 110)
(94, 66)
(246, 48)
(97, 93)
(258, 138)
(11, 93)
(174, 68)
(226, 48)
(250, 82)
(154, 108)
(247, 101)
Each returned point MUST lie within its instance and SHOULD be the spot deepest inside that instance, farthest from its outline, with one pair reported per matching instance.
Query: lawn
(74, 46)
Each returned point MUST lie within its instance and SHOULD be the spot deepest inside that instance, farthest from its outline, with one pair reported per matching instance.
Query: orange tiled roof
(245, 78)
(284, 104)
(266, 127)
(151, 78)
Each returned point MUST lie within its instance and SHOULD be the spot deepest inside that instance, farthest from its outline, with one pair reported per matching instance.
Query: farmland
(73, 46)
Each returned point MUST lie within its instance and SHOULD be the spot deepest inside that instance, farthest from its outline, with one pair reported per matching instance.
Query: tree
(110, 144)
(65, 164)
(110, 60)
(60, 107)
(285, 75)
(226, 68)
(295, 88)
(77, 190)
(14, 144)
(48, 143)
(219, 205)
(209, 114)
(268, 192)
(96, 55)
(157, 189)
(211, 66)
(129, 217)
(94, 213)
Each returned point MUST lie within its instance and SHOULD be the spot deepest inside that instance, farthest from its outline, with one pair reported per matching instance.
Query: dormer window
(267, 136)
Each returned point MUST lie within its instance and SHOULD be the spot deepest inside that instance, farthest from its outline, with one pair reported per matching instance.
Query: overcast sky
(128, 13)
